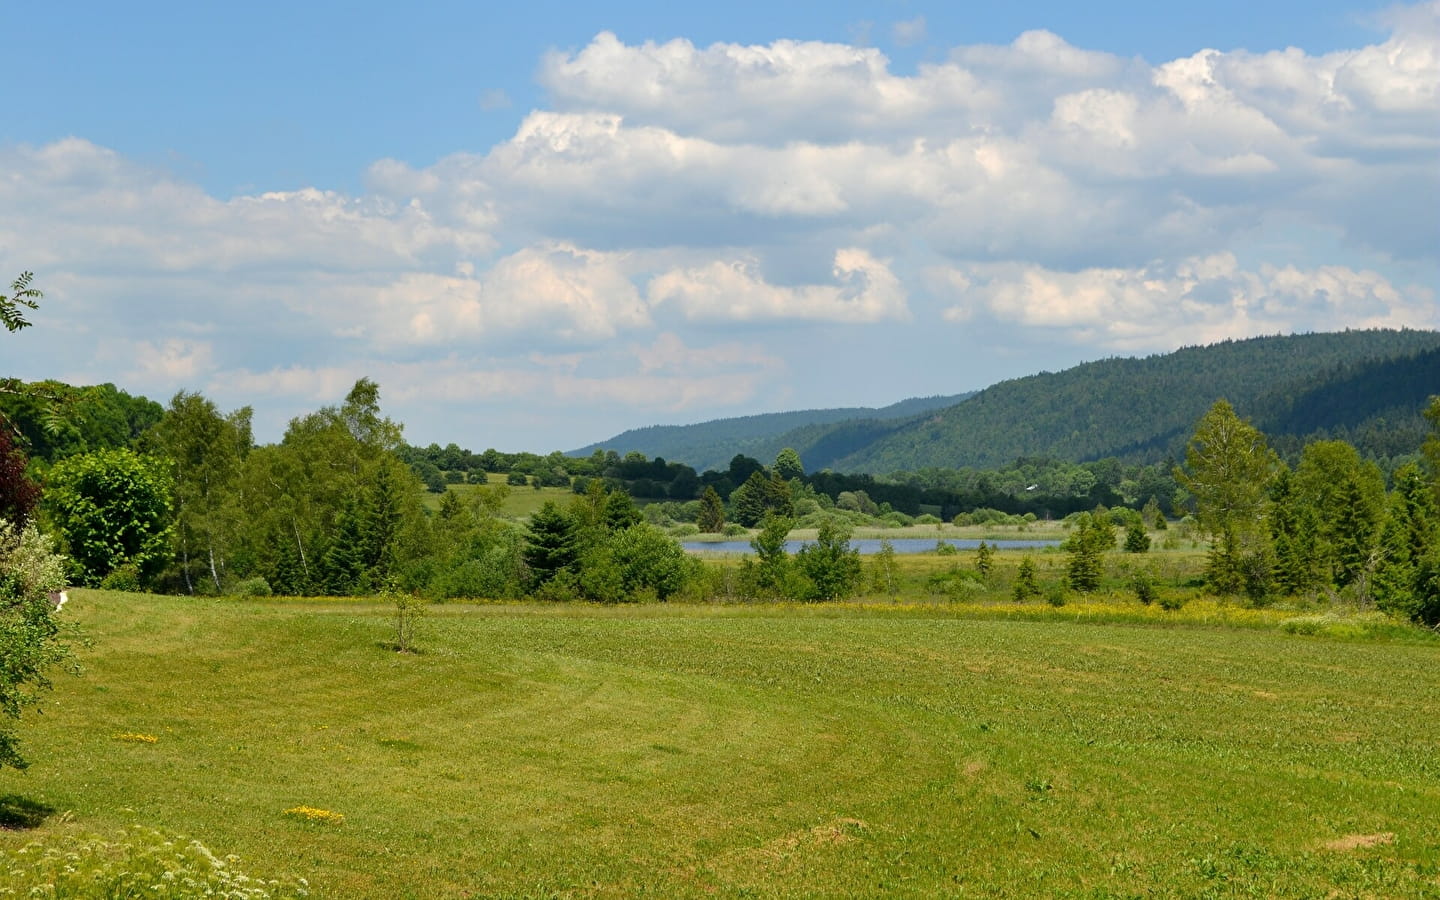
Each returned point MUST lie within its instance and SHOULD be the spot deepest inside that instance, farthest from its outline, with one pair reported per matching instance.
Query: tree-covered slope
(1145, 408)
(710, 445)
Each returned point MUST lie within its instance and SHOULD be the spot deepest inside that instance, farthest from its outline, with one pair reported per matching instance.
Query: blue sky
(539, 224)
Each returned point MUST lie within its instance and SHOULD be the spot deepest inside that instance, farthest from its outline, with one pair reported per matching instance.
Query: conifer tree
(1136, 540)
(771, 574)
(712, 511)
(1087, 545)
(345, 559)
(550, 545)
(1224, 569)
(1292, 535)
(1026, 585)
(1409, 544)
(984, 560)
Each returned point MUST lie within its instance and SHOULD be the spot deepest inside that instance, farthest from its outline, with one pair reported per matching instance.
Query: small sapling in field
(409, 609)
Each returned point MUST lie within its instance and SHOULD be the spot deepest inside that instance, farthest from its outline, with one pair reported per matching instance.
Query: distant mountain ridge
(1145, 409)
(712, 444)
(1366, 386)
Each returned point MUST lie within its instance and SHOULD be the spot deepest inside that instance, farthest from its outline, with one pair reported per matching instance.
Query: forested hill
(711, 445)
(1365, 386)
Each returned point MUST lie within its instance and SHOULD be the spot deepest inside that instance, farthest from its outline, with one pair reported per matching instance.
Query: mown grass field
(520, 502)
(862, 749)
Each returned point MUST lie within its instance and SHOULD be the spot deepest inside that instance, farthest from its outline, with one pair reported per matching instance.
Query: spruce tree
(1136, 540)
(1026, 585)
(550, 544)
(772, 565)
(1087, 545)
(984, 560)
(1408, 544)
(1224, 569)
(712, 511)
(344, 562)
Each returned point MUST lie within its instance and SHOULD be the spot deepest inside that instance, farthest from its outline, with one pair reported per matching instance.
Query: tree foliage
(830, 566)
(30, 640)
(113, 508)
(788, 465)
(1086, 546)
(22, 296)
(205, 451)
(1228, 467)
(19, 494)
(1026, 584)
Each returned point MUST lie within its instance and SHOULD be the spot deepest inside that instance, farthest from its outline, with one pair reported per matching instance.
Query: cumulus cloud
(1193, 150)
(554, 293)
(170, 361)
(733, 290)
(664, 188)
(1197, 300)
(74, 205)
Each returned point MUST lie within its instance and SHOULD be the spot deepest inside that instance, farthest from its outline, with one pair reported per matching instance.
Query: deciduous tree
(830, 565)
(113, 509)
(30, 644)
(788, 465)
(1228, 467)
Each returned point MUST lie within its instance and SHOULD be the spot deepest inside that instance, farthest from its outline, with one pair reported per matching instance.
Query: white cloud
(554, 293)
(665, 188)
(1198, 300)
(909, 31)
(733, 290)
(170, 361)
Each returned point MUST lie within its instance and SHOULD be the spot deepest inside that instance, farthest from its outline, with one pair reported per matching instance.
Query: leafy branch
(22, 297)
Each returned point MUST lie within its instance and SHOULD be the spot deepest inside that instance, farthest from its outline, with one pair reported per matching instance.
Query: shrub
(1144, 587)
(734, 529)
(253, 587)
(831, 566)
(1056, 595)
(125, 578)
(684, 530)
(925, 519)
(559, 589)
(1171, 601)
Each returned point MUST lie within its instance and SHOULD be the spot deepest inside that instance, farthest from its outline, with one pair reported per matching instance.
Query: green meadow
(906, 749)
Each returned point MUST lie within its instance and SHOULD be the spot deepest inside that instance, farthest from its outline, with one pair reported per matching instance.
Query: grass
(520, 502)
(909, 749)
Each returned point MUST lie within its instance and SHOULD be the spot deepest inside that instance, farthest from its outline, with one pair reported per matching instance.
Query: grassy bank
(911, 749)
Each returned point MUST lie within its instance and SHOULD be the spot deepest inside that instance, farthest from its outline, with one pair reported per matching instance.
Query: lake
(869, 546)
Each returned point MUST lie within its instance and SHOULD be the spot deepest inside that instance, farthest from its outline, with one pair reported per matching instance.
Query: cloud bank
(681, 229)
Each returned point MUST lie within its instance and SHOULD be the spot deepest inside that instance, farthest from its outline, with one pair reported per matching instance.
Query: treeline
(184, 500)
(1045, 488)
(1326, 526)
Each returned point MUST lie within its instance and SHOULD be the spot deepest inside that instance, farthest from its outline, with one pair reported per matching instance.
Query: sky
(539, 225)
